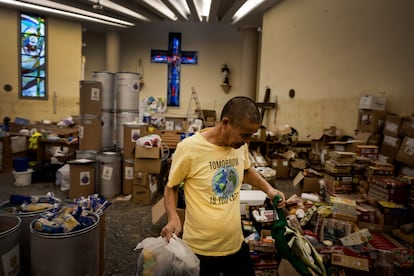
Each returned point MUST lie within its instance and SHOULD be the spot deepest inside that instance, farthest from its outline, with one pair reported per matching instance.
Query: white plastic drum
(108, 129)
(108, 91)
(127, 91)
(109, 173)
(121, 119)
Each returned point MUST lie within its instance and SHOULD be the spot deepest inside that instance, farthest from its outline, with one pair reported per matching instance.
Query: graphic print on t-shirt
(225, 181)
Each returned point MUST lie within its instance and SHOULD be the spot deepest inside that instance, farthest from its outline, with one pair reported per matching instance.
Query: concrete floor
(126, 223)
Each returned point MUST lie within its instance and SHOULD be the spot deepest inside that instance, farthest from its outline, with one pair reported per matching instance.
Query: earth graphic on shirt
(225, 181)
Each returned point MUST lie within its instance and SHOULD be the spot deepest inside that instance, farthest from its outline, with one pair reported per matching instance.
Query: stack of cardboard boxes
(365, 184)
(83, 172)
(147, 165)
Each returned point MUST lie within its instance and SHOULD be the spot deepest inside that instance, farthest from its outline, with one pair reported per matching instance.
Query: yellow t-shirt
(212, 178)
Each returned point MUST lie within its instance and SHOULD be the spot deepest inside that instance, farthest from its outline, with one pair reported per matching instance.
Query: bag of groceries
(160, 257)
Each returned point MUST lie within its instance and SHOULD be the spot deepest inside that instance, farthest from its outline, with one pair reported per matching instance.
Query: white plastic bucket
(109, 173)
(127, 91)
(108, 92)
(10, 226)
(23, 178)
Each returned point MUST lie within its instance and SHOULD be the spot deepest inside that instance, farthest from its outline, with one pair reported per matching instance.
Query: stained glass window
(32, 56)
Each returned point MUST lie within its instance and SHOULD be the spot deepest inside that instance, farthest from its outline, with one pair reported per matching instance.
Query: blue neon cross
(174, 57)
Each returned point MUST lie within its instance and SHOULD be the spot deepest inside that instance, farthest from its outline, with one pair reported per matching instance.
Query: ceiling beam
(174, 10)
(194, 13)
(138, 8)
(215, 4)
(154, 10)
(231, 11)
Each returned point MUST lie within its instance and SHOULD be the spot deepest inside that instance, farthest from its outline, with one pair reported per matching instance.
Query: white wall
(331, 53)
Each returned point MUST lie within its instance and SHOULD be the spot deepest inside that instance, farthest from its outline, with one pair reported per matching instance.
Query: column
(250, 45)
(112, 51)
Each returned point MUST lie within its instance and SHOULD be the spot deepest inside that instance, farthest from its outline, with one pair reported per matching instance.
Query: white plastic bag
(161, 258)
(63, 177)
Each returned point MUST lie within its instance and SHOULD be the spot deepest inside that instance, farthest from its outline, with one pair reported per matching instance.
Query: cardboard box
(339, 184)
(361, 138)
(90, 132)
(147, 165)
(143, 195)
(406, 171)
(405, 153)
(90, 98)
(317, 144)
(372, 102)
(350, 262)
(368, 151)
(308, 184)
(407, 127)
(371, 120)
(145, 179)
(390, 146)
(81, 177)
(281, 165)
(143, 152)
(392, 125)
(158, 211)
(132, 132)
(145, 188)
(343, 205)
(127, 176)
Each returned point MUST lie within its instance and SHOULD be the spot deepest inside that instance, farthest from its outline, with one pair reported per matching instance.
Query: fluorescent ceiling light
(161, 7)
(203, 8)
(182, 7)
(56, 8)
(246, 8)
(113, 6)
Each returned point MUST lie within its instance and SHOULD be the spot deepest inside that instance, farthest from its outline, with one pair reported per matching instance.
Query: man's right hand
(173, 227)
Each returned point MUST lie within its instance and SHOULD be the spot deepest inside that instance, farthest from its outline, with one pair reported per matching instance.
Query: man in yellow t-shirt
(213, 164)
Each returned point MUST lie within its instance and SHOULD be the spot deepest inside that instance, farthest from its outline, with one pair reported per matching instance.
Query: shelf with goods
(12, 146)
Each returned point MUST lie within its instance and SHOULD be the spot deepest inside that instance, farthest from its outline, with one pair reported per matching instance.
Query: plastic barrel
(10, 226)
(109, 173)
(72, 253)
(26, 219)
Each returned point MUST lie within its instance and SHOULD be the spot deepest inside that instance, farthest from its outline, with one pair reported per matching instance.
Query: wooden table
(43, 144)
